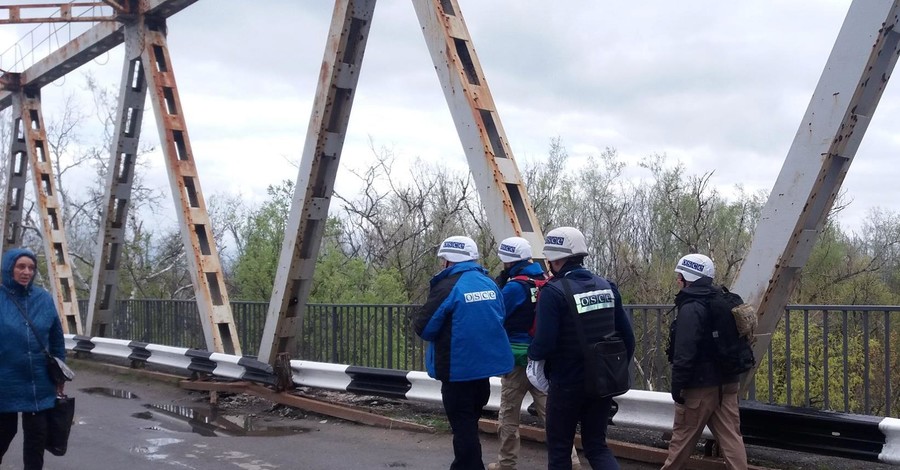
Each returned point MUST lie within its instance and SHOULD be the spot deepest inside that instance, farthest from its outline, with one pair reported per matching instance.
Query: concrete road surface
(133, 423)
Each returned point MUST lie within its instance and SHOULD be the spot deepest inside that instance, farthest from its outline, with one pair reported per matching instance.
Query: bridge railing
(829, 357)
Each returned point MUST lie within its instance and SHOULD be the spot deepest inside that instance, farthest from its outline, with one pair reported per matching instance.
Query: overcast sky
(719, 86)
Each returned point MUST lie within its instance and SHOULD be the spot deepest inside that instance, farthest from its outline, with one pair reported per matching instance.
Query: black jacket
(556, 338)
(690, 339)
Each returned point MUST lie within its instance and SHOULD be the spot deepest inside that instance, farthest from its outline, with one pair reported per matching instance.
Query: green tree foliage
(262, 235)
(340, 277)
(343, 279)
(808, 367)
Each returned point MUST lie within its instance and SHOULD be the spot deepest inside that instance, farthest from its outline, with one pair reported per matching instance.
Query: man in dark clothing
(519, 284)
(556, 342)
(702, 395)
(462, 320)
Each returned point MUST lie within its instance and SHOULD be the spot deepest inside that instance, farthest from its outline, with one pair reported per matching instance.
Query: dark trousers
(34, 433)
(566, 407)
(463, 402)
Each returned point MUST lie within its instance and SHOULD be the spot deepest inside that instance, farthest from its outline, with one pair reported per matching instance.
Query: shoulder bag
(605, 361)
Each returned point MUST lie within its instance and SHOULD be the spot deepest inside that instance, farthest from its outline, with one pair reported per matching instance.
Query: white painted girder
(336, 88)
(503, 193)
(826, 142)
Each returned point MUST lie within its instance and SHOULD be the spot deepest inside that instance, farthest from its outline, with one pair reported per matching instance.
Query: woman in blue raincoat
(25, 385)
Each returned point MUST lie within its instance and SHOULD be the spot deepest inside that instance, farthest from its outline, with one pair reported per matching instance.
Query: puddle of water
(110, 392)
(210, 421)
(151, 452)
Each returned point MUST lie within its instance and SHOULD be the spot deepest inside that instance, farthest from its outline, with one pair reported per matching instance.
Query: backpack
(732, 323)
(534, 285)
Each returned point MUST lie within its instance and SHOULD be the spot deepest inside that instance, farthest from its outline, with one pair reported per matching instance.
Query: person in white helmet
(462, 320)
(519, 281)
(702, 395)
(598, 307)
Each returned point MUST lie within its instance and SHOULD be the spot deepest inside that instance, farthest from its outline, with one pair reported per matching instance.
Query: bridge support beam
(200, 249)
(30, 139)
(835, 122)
(119, 180)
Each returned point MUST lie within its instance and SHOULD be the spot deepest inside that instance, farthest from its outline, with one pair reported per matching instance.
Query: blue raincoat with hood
(25, 385)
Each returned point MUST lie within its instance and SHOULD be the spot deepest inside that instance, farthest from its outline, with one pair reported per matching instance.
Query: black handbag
(59, 424)
(605, 362)
(57, 369)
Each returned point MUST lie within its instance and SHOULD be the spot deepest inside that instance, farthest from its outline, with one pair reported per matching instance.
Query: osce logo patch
(595, 300)
(554, 240)
(479, 296)
(458, 245)
(507, 248)
(693, 265)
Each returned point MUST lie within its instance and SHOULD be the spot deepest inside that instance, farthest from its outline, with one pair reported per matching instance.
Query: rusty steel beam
(63, 13)
(16, 176)
(86, 47)
(119, 6)
(119, 181)
(349, 413)
(500, 185)
(59, 267)
(835, 122)
(199, 244)
(338, 78)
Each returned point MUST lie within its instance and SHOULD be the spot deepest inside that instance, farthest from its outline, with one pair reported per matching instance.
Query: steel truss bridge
(842, 105)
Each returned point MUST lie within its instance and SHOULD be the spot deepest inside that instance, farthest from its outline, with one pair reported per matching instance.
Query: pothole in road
(210, 421)
(110, 392)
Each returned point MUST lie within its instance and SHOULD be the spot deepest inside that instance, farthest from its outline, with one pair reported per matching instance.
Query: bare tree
(399, 222)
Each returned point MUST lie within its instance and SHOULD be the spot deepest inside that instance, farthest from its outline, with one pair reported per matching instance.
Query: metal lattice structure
(477, 123)
(148, 70)
(851, 85)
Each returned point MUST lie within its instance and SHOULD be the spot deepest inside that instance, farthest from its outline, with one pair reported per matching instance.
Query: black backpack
(731, 347)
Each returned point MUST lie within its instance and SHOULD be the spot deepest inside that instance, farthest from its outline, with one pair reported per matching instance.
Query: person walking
(520, 279)
(556, 341)
(702, 395)
(462, 320)
(25, 385)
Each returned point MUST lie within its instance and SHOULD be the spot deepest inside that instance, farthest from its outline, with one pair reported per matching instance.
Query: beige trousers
(701, 408)
(513, 387)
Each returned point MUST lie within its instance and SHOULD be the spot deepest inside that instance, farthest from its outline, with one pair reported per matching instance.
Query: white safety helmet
(564, 242)
(514, 249)
(694, 266)
(458, 249)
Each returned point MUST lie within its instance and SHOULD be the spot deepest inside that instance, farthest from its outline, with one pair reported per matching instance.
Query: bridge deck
(136, 422)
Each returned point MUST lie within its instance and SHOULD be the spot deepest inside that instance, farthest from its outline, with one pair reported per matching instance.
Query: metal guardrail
(190, 360)
(860, 370)
(859, 437)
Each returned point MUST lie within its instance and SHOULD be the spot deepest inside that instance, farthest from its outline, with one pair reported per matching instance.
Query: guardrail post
(390, 337)
(335, 325)
(283, 375)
